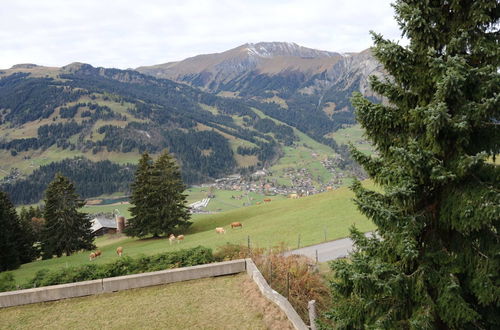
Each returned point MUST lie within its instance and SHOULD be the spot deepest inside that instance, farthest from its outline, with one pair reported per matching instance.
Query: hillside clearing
(212, 303)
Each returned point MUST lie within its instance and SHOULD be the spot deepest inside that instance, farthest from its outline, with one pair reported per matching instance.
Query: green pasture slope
(280, 221)
(354, 135)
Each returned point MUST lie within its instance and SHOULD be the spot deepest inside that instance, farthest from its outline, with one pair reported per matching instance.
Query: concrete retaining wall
(79, 289)
(274, 296)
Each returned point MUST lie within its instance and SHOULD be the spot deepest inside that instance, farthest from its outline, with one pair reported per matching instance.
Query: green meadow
(305, 221)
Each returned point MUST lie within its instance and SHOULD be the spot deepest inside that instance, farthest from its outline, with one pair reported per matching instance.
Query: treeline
(91, 179)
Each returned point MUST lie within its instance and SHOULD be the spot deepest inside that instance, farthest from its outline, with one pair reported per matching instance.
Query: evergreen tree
(170, 201)
(435, 261)
(142, 208)
(33, 219)
(10, 257)
(66, 230)
(159, 205)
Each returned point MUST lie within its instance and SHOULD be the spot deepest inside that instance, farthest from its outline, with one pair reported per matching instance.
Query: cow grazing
(329, 188)
(267, 200)
(119, 251)
(293, 196)
(180, 238)
(171, 238)
(98, 253)
(220, 230)
(258, 203)
(236, 224)
(92, 256)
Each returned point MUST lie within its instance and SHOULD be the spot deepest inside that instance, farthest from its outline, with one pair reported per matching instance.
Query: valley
(52, 115)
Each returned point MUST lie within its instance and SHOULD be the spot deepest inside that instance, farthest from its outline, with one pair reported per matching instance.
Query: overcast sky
(128, 33)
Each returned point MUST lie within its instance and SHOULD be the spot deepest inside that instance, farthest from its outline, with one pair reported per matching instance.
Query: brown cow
(236, 224)
(267, 200)
(119, 251)
(180, 238)
(92, 256)
(97, 253)
(171, 238)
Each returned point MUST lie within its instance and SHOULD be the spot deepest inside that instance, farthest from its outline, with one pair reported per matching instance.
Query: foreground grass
(213, 303)
(305, 221)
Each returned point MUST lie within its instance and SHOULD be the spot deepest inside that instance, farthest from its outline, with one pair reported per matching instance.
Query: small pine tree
(10, 255)
(435, 261)
(159, 205)
(66, 230)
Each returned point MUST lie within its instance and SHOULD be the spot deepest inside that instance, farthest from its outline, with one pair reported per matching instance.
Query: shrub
(123, 266)
(7, 282)
(294, 277)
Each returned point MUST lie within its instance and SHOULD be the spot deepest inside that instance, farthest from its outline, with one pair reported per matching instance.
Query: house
(102, 225)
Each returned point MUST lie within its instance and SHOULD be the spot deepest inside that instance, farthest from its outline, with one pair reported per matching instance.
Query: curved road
(327, 251)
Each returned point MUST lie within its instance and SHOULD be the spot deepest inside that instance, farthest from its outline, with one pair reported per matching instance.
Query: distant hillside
(50, 114)
(90, 178)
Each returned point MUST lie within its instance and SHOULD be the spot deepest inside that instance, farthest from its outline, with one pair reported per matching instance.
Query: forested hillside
(91, 179)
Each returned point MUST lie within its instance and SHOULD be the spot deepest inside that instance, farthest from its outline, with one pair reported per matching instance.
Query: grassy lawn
(281, 221)
(212, 303)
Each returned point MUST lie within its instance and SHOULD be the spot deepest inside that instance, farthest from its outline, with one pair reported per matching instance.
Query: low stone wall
(274, 296)
(86, 288)
(112, 284)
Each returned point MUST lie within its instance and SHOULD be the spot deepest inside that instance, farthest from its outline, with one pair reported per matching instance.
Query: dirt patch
(272, 315)
(119, 203)
(93, 202)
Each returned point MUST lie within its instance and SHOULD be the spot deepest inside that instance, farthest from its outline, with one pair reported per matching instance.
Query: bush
(294, 277)
(7, 282)
(124, 266)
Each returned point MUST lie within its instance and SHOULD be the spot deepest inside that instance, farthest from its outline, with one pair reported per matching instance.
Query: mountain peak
(274, 49)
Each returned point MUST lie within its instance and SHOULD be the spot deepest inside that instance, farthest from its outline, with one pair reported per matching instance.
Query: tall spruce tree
(159, 205)
(435, 261)
(66, 230)
(171, 210)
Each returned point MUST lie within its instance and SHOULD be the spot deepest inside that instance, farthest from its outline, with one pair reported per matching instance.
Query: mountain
(267, 105)
(305, 81)
(49, 114)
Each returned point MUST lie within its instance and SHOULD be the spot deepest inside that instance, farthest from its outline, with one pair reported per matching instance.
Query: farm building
(102, 225)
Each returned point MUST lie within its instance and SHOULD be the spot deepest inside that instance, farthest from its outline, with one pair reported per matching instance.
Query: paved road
(327, 251)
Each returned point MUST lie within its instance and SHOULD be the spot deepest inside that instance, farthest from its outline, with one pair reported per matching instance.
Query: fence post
(298, 243)
(316, 256)
(288, 286)
(270, 273)
(248, 242)
(311, 306)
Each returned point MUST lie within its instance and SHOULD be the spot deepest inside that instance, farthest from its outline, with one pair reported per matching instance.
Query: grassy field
(328, 214)
(353, 134)
(213, 303)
